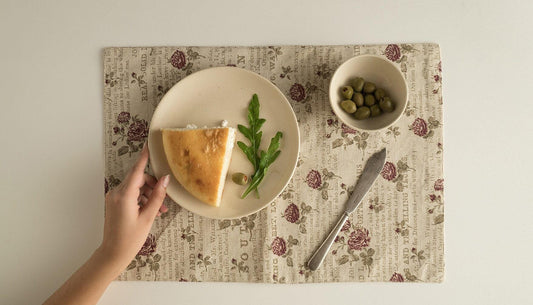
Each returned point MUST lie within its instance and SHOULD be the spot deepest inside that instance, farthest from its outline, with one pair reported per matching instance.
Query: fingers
(143, 200)
(150, 180)
(155, 200)
(146, 190)
(135, 178)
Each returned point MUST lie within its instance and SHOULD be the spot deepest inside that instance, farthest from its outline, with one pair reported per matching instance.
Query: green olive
(347, 92)
(379, 94)
(362, 113)
(386, 104)
(369, 100)
(358, 84)
(369, 87)
(348, 106)
(358, 99)
(239, 178)
(375, 110)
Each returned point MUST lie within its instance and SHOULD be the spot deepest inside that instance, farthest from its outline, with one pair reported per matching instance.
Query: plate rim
(295, 119)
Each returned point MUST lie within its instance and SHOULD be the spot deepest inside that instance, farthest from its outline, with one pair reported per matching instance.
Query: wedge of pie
(199, 159)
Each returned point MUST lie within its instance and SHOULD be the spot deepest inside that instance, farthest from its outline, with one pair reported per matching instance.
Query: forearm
(89, 282)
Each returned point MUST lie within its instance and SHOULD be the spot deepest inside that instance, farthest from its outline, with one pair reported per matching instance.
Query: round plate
(207, 97)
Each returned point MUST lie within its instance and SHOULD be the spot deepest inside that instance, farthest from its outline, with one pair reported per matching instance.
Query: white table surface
(51, 159)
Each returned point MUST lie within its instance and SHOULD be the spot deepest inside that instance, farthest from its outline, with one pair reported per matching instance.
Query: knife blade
(372, 169)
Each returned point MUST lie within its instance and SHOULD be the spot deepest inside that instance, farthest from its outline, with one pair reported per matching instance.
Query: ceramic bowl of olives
(368, 92)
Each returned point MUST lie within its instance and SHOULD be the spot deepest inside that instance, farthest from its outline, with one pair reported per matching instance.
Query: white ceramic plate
(206, 98)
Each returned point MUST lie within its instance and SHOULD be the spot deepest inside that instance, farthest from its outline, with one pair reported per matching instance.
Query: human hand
(127, 223)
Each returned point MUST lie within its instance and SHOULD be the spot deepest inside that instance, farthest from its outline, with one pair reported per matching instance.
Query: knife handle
(318, 257)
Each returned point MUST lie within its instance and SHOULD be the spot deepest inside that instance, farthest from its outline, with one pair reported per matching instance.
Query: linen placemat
(397, 232)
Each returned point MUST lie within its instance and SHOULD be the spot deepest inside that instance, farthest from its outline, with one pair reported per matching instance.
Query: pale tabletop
(52, 156)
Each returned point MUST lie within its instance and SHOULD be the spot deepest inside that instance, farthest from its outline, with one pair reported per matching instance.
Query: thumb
(155, 200)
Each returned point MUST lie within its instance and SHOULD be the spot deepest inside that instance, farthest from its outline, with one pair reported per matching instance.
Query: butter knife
(372, 169)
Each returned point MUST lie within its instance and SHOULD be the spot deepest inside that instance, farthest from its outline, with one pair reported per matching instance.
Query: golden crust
(196, 158)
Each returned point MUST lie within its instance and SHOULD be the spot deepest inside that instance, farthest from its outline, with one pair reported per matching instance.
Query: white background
(51, 128)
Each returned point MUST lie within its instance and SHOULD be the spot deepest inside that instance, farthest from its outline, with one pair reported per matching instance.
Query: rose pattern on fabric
(282, 248)
(346, 226)
(297, 92)
(292, 213)
(131, 129)
(313, 179)
(148, 246)
(393, 53)
(303, 94)
(298, 216)
(359, 239)
(123, 117)
(389, 171)
(424, 129)
(439, 185)
(184, 61)
(348, 136)
(396, 277)
(397, 174)
(438, 79)
(319, 181)
(346, 129)
(436, 202)
(177, 60)
(279, 247)
(138, 130)
(419, 127)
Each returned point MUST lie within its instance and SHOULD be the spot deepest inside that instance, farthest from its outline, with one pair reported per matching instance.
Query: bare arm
(125, 230)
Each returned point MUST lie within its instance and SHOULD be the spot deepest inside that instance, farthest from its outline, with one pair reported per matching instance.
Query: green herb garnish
(261, 160)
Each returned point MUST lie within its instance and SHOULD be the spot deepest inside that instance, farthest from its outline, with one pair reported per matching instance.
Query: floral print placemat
(397, 232)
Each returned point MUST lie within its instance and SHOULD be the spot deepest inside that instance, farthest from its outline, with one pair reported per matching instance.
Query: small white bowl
(381, 72)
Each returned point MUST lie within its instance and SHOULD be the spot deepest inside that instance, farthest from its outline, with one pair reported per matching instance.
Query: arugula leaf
(253, 134)
(266, 159)
(261, 160)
